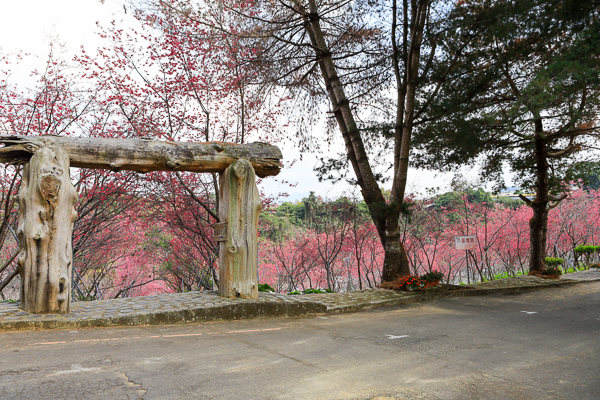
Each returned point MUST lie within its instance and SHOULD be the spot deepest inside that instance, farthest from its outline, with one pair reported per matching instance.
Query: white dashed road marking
(396, 337)
(77, 368)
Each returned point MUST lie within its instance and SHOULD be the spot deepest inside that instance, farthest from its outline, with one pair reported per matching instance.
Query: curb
(199, 314)
(259, 308)
(439, 294)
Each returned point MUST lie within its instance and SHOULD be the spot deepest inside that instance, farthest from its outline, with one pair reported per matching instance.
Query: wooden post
(46, 215)
(237, 231)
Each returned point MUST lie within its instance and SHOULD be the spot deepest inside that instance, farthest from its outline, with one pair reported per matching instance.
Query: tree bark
(145, 155)
(46, 215)
(395, 261)
(237, 231)
(384, 216)
(538, 224)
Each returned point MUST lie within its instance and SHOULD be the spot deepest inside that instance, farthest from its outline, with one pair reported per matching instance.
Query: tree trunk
(538, 231)
(237, 231)
(46, 215)
(145, 155)
(395, 262)
(538, 224)
(384, 217)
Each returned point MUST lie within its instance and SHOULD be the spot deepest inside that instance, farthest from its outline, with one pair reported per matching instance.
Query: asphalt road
(535, 345)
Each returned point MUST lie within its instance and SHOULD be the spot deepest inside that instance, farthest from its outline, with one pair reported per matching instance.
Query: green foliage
(586, 249)
(595, 265)
(432, 276)
(157, 239)
(504, 275)
(456, 203)
(587, 172)
(531, 78)
(293, 212)
(311, 291)
(553, 261)
(479, 196)
(273, 227)
(552, 271)
(508, 202)
(519, 273)
(574, 269)
(265, 287)
(314, 213)
(455, 198)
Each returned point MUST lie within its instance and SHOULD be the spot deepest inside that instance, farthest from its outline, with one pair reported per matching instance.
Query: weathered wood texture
(237, 232)
(46, 215)
(145, 155)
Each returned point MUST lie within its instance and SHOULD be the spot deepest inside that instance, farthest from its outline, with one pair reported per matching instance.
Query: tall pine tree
(527, 97)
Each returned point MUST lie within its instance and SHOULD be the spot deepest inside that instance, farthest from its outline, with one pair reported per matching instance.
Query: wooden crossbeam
(143, 155)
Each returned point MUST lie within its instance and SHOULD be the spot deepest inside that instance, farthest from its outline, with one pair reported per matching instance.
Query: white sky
(26, 25)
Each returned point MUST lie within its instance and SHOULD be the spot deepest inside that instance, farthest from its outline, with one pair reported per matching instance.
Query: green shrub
(503, 275)
(586, 249)
(553, 261)
(311, 291)
(265, 287)
(432, 276)
(552, 271)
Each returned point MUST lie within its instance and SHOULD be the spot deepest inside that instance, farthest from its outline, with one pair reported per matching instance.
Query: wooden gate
(47, 201)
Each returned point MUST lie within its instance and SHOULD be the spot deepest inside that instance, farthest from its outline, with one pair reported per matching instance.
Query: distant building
(513, 192)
